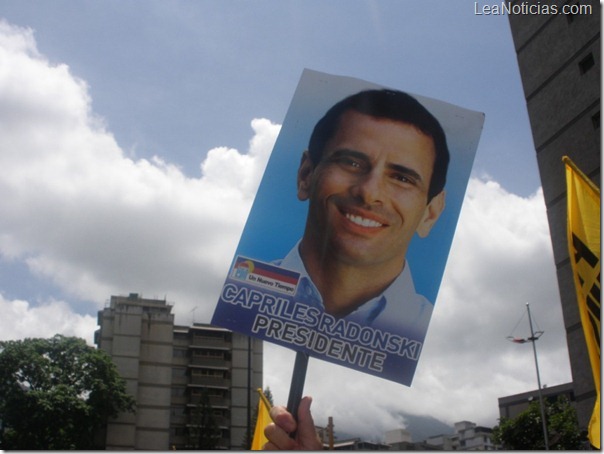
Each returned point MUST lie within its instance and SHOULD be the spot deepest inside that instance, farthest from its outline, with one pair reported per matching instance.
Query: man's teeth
(362, 221)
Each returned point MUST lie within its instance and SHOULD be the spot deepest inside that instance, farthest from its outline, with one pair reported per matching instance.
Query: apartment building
(511, 406)
(194, 385)
(467, 436)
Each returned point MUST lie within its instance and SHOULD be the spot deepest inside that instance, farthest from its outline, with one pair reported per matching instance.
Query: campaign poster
(347, 240)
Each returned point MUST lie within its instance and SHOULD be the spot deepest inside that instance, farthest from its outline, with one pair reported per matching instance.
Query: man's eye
(346, 161)
(403, 178)
(351, 162)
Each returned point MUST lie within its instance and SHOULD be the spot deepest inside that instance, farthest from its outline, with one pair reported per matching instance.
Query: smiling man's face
(368, 194)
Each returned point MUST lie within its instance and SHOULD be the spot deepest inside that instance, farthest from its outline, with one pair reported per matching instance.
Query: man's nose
(369, 188)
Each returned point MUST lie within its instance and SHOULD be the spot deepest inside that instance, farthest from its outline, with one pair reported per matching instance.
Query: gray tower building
(559, 61)
(192, 384)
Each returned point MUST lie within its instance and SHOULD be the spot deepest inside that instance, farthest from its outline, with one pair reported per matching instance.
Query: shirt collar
(367, 312)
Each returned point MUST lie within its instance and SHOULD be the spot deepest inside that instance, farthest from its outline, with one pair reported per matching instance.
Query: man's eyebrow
(348, 153)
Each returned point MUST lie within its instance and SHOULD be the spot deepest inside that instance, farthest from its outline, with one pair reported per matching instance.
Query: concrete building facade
(512, 406)
(467, 436)
(184, 378)
(559, 58)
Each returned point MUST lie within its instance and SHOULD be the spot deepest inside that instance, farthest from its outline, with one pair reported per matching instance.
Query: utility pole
(533, 339)
(330, 432)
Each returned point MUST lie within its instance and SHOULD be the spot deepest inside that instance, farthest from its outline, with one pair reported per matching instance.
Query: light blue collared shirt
(398, 309)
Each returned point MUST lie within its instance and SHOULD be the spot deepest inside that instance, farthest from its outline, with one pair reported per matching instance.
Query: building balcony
(179, 400)
(179, 380)
(210, 362)
(215, 401)
(223, 422)
(210, 381)
(180, 361)
(207, 342)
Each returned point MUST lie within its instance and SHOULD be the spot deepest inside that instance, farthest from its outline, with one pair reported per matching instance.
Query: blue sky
(178, 78)
(133, 136)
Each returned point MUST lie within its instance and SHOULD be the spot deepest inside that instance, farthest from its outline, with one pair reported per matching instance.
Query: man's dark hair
(392, 105)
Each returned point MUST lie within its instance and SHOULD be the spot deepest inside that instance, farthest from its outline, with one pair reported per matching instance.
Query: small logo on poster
(265, 275)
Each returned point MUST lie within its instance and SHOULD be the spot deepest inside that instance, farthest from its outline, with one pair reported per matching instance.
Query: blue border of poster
(258, 297)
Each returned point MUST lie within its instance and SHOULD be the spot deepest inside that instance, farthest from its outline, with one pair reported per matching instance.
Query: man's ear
(304, 176)
(431, 215)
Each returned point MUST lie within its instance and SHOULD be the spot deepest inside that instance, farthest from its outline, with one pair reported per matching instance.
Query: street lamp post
(533, 339)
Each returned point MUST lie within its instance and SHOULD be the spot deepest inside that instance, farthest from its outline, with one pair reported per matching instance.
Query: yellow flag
(263, 420)
(584, 252)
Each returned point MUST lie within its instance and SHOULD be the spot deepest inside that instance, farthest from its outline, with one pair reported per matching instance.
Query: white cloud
(20, 320)
(82, 214)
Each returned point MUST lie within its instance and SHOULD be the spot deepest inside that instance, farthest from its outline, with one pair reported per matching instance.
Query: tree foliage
(525, 431)
(204, 433)
(56, 393)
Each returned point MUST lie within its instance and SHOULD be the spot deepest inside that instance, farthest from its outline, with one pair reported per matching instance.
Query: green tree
(525, 431)
(204, 433)
(57, 393)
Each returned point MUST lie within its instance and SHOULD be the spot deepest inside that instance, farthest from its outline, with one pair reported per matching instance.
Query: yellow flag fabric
(584, 252)
(263, 420)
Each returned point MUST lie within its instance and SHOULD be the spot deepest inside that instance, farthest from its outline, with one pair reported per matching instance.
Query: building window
(571, 16)
(178, 392)
(595, 121)
(177, 411)
(217, 392)
(181, 336)
(208, 373)
(586, 64)
(209, 354)
(177, 431)
(180, 353)
(178, 372)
